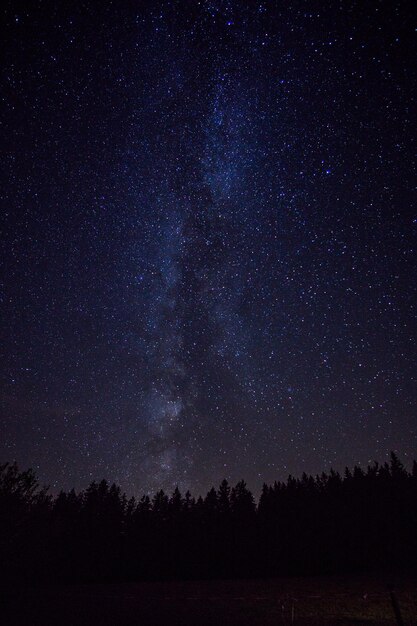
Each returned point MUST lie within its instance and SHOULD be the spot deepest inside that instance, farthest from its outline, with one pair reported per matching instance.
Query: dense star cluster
(208, 239)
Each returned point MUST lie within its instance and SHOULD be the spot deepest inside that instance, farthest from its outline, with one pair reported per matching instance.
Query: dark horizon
(361, 522)
(55, 490)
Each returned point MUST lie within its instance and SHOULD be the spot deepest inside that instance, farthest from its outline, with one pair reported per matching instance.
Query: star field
(208, 239)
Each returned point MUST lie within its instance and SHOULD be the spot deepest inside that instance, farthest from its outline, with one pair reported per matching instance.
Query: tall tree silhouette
(364, 519)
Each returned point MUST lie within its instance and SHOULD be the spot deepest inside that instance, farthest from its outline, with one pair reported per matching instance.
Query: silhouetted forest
(362, 520)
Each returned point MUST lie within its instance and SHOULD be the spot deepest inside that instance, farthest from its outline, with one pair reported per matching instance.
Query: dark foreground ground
(304, 601)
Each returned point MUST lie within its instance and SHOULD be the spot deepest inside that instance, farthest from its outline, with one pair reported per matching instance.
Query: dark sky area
(208, 235)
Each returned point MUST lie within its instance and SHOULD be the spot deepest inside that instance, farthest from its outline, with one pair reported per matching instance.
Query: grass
(326, 601)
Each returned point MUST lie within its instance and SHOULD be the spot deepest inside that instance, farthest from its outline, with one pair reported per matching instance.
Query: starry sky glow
(208, 239)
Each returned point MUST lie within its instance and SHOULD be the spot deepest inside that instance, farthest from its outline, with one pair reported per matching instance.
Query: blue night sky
(208, 239)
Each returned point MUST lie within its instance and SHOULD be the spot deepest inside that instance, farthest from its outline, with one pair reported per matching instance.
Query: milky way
(208, 243)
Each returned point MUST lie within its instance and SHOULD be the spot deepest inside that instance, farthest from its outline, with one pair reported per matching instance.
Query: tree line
(360, 520)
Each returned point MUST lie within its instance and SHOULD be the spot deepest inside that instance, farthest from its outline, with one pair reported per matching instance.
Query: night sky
(208, 235)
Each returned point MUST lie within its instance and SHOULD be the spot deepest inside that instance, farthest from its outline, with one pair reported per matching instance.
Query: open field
(303, 601)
